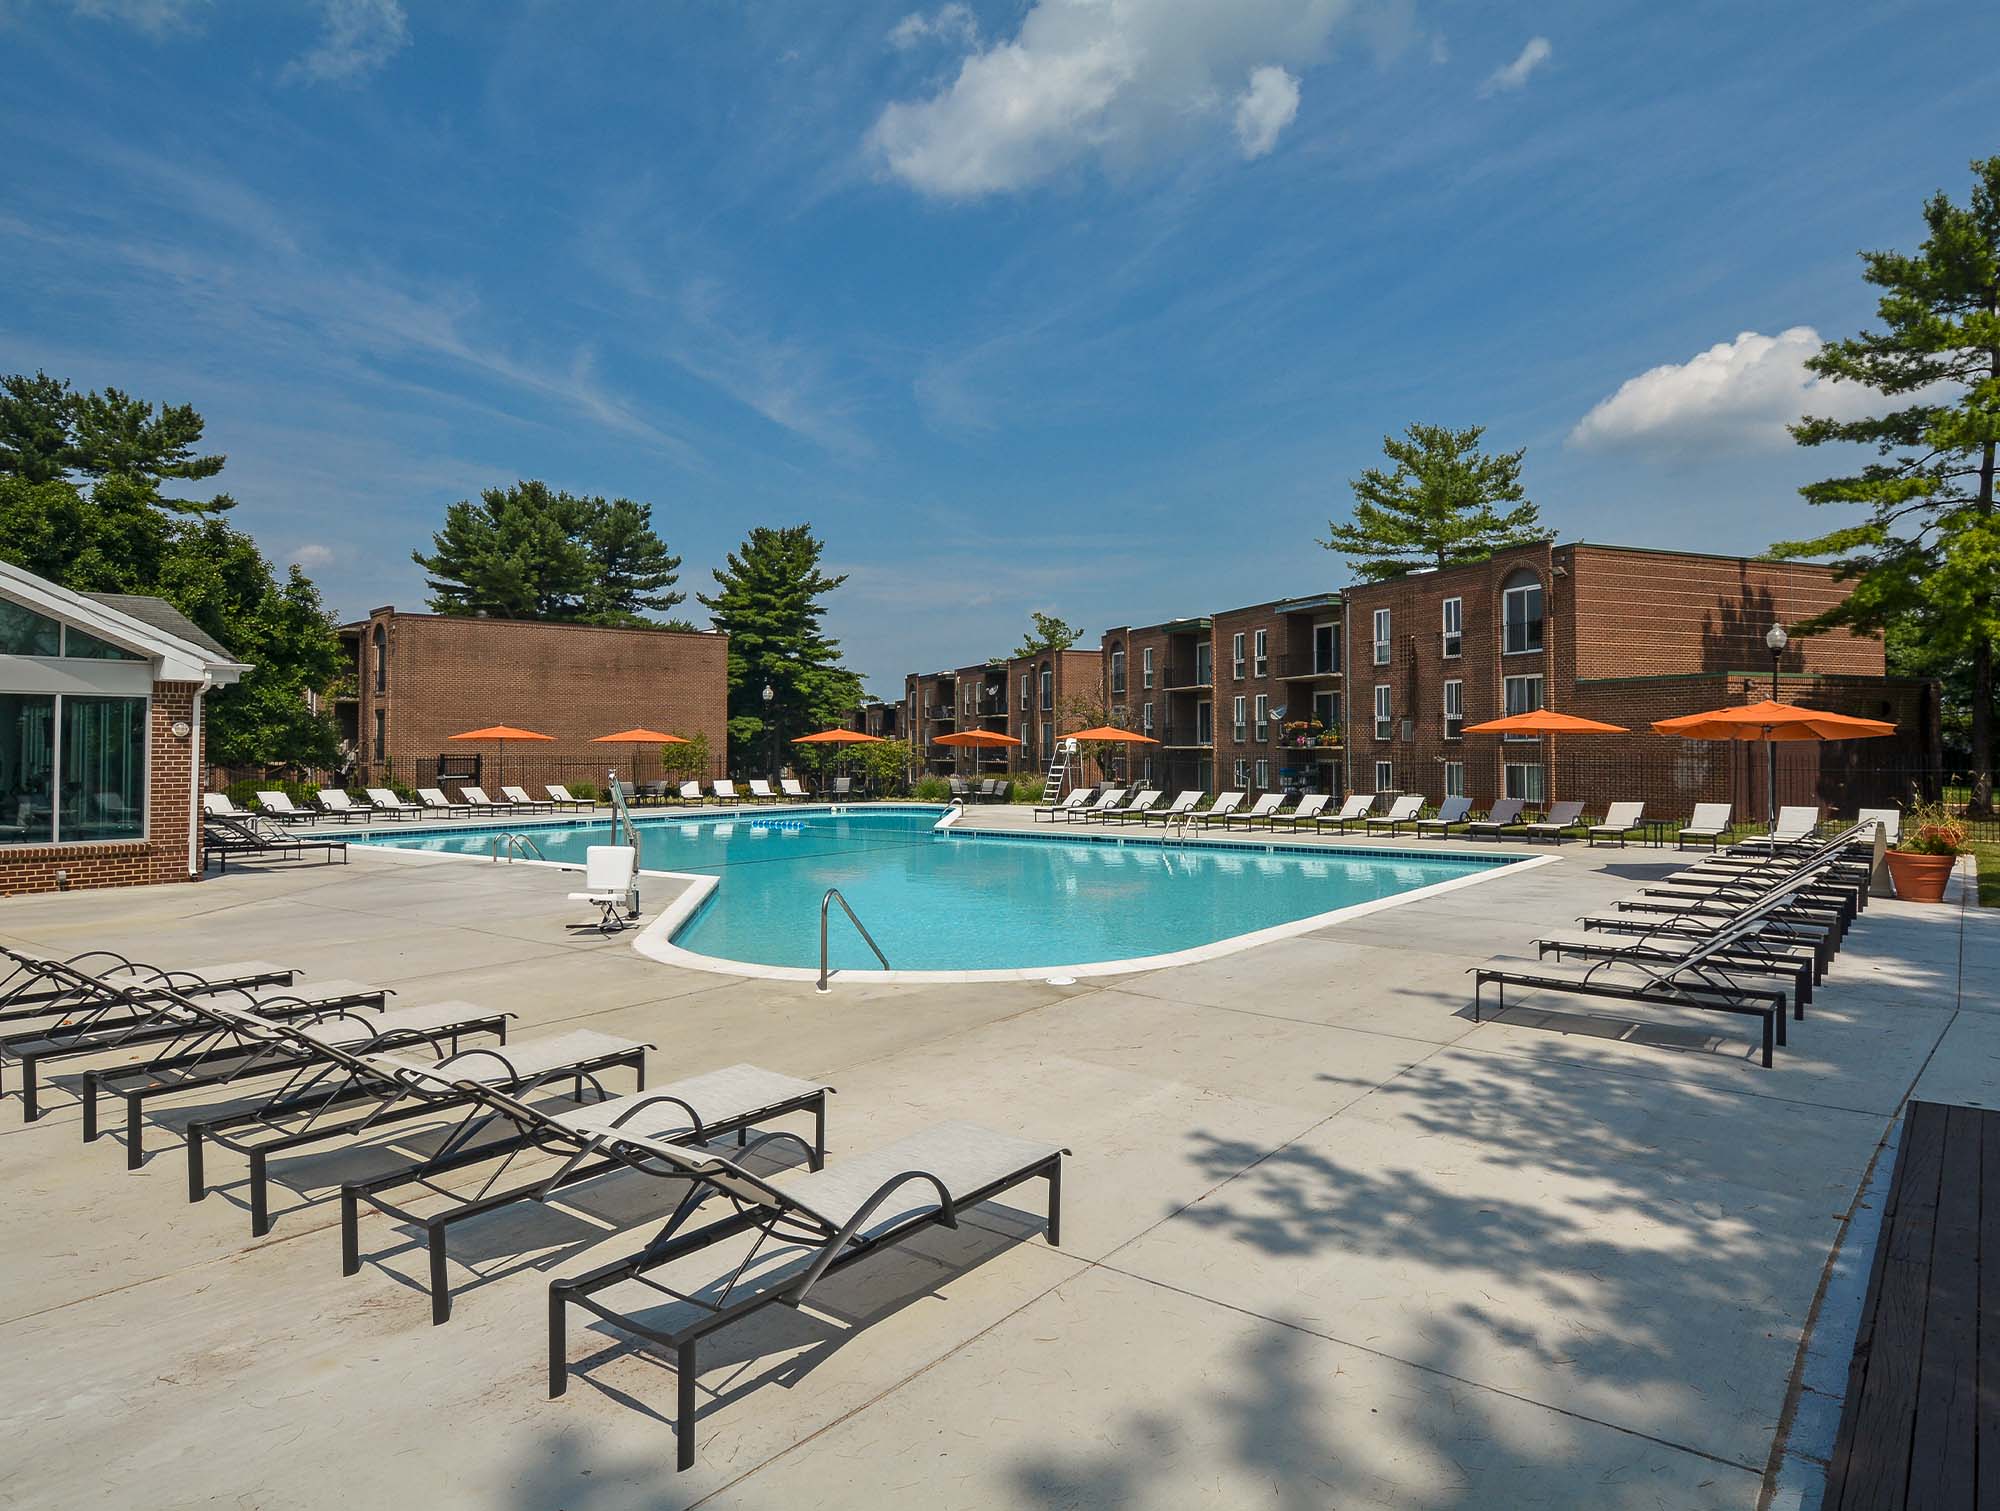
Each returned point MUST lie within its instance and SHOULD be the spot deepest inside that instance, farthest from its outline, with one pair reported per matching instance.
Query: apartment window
(1523, 695)
(1146, 769)
(1236, 654)
(1238, 730)
(1523, 780)
(1454, 626)
(1326, 648)
(1146, 718)
(1521, 615)
(1204, 664)
(1048, 737)
(1204, 723)
(1260, 654)
(1454, 779)
(1263, 717)
(381, 735)
(381, 643)
(1146, 667)
(74, 766)
(1048, 689)
(1326, 709)
(1385, 776)
(1242, 773)
(1454, 709)
(1117, 672)
(1384, 721)
(1381, 637)
(1024, 690)
(1263, 776)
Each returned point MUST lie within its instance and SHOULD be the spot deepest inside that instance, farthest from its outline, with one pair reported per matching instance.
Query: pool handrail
(833, 896)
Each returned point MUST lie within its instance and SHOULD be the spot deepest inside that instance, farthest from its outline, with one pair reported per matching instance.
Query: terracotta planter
(1920, 878)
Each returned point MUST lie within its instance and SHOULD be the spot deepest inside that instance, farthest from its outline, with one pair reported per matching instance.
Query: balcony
(941, 712)
(1187, 674)
(1301, 665)
(1184, 736)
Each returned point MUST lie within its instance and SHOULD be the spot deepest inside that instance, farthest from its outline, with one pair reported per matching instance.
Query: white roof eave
(176, 660)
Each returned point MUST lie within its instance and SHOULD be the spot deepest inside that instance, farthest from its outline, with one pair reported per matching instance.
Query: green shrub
(1029, 789)
(932, 789)
(588, 792)
(243, 793)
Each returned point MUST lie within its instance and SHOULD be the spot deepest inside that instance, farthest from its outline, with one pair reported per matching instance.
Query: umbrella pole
(1771, 780)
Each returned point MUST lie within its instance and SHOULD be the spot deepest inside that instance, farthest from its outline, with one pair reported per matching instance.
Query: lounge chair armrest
(796, 1292)
(657, 1098)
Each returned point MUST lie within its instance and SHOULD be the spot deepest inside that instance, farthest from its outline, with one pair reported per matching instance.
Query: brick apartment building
(1618, 634)
(1025, 697)
(101, 729)
(874, 717)
(420, 678)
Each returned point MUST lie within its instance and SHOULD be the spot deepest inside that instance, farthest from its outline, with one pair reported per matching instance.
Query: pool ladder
(833, 896)
(515, 844)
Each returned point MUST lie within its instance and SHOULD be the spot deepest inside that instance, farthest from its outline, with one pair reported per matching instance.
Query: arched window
(381, 639)
(1117, 669)
(1521, 613)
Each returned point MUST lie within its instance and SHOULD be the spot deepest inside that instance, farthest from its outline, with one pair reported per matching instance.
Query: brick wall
(162, 855)
(1252, 684)
(575, 682)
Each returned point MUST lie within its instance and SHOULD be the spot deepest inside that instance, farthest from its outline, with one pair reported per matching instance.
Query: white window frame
(1118, 672)
(1454, 708)
(1506, 599)
(1146, 666)
(1385, 713)
(1385, 776)
(1513, 787)
(1048, 689)
(1239, 728)
(1382, 631)
(56, 754)
(1236, 661)
(1451, 628)
(1263, 775)
(1454, 779)
(1242, 772)
(1146, 716)
(1332, 626)
(1262, 709)
(1260, 654)
(1540, 699)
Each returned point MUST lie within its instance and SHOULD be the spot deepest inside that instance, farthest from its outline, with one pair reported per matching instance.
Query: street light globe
(1776, 638)
(768, 695)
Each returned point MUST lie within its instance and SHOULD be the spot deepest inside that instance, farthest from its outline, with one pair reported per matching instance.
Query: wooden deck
(1921, 1423)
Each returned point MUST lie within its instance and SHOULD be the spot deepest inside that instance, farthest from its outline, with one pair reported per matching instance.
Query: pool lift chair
(611, 872)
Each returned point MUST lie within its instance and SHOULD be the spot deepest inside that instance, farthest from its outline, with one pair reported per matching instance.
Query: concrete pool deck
(1327, 1241)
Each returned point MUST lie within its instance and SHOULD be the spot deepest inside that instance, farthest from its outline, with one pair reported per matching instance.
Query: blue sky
(1088, 306)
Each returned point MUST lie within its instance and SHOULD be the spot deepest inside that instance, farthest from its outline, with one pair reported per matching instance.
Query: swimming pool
(967, 900)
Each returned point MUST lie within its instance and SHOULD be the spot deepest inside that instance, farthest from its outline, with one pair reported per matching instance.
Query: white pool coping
(655, 940)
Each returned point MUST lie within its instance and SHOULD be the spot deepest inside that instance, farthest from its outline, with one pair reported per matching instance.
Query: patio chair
(1311, 806)
(1262, 811)
(1796, 826)
(1890, 819)
(590, 1139)
(1182, 805)
(1353, 810)
(278, 806)
(518, 798)
(387, 802)
(229, 1046)
(260, 839)
(47, 986)
(724, 790)
(337, 804)
(218, 805)
(1453, 810)
(1504, 816)
(688, 792)
(1075, 799)
(1710, 823)
(1620, 820)
(434, 799)
(560, 795)
(1219, 811)
(1403, 811)
(760, 790)
(607, 885)
(479, 802)
(1141, 807)
(1107, 800)
(1561, 819)
(843, 788)
(791, 787)
(816, 1221)
(349, 1095)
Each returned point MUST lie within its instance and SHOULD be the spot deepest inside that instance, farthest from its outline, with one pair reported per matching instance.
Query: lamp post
(770, 735)
(1776, 639)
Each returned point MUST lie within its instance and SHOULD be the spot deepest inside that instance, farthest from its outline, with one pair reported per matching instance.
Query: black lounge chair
(38, 986)
(1453, 810)
(1561, 820)
(593, 1138)
(347, 1095)
(1502, 819)
(817, 1221)
(260, 840)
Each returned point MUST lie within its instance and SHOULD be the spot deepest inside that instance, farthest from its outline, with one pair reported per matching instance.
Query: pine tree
(1436, 508)
(530, 552)
(770, 602)
(1930, 547)
(1049, 634)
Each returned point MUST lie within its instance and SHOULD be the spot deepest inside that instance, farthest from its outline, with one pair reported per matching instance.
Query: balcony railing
(1304, 664)
(1187, 674)
(1184, 735)
(940, 711)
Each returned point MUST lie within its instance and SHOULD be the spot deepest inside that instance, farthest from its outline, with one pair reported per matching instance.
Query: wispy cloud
(1514, 75)
(156, 18)
(952, 24)
(356, 38)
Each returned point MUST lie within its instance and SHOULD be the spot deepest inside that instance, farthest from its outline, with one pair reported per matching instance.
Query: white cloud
(954, 24)
(1103, 79)
(356, 38)
(1736, 396)
(1515, 74)
(313, 555)
(154, 17)
(1265, 109)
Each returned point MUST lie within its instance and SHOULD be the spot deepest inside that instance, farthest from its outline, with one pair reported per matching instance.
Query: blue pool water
(966, 901)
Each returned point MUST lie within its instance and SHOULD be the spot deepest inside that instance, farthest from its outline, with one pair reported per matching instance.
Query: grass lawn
(1987, 854)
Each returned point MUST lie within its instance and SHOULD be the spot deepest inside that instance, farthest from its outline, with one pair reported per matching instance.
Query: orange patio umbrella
(1107, 734)
(976, 739)
(1545, 721)
(637, 737)
(840, 737)
(501, 733)
(1771, 722)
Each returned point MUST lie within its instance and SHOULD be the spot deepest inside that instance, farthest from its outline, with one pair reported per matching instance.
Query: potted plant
(1920, 861)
